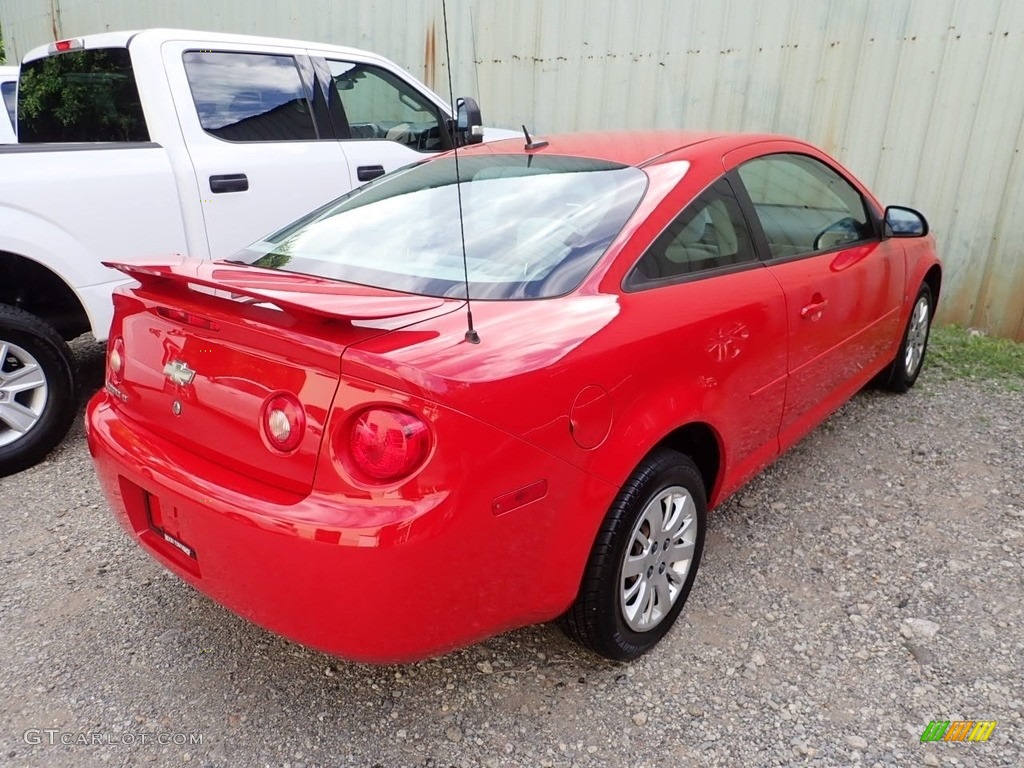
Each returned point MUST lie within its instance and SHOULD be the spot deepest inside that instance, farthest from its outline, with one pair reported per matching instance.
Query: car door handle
(367, 172)
(229, 182)
(814, 308)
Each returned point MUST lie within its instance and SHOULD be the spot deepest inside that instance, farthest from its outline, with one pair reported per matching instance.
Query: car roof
(636, 148)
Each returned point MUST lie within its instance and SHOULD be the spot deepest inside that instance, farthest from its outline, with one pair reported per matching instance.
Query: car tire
(37, 389)
(902, 372)
(622, 615)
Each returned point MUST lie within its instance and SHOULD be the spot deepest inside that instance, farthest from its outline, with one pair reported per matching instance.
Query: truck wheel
(37, 389)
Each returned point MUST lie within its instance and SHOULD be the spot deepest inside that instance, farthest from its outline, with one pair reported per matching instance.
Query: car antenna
(471, 335)
(530, 143)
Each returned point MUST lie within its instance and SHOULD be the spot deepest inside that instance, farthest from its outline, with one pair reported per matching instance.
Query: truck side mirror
(469, 126)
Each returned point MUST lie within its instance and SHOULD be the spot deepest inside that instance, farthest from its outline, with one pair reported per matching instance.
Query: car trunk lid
(206, 346)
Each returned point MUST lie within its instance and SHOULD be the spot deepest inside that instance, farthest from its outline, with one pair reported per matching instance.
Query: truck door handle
(367, 172)
(812, 310)
(229, 182)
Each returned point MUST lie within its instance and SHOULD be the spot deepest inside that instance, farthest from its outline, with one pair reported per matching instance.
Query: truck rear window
(80, 96)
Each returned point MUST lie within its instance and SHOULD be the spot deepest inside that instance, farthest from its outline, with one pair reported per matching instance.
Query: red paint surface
(566, 395)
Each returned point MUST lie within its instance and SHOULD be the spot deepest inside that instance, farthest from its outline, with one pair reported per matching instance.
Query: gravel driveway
(866, 584)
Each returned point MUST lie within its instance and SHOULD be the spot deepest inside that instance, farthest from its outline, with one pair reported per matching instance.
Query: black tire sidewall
(53, 356)
(664, 471)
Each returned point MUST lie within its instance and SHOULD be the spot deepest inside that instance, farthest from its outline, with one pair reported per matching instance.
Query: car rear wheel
(644, 560)
(37, 391)
(902, 372)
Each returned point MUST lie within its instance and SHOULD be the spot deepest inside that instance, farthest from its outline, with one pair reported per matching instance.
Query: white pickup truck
(8, 86)
(137, 144)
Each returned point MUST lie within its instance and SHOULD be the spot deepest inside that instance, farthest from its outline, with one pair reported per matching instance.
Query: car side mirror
(469, 125)
(904, 222)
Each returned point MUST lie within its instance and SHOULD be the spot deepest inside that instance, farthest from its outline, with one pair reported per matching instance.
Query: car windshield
(534, 226)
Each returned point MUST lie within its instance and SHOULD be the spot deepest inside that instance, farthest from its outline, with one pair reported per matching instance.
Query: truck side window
(249, 96)
(379, 105)
(80, 96)
(9, 91)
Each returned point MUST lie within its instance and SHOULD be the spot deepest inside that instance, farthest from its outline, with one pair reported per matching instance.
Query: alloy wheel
(23, 392)
(658, 558)
(917, 336)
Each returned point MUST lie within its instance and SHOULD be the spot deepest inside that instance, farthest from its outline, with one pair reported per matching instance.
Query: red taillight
(386, 444)
(284, 422)
(115, 360)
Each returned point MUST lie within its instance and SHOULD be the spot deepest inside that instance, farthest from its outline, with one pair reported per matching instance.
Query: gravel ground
(867, 583)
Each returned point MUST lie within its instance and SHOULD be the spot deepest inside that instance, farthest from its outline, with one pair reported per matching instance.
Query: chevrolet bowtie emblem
(179, 373)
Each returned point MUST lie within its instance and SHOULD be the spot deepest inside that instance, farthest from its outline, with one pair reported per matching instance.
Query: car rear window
(534, 226)
(80, 96)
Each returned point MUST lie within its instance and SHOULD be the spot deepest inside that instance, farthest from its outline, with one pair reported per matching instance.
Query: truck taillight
(284, 422)
(386, 444)
(63, 46)
(115, 360)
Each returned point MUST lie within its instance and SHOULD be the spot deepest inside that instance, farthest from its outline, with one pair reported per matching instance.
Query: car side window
(249, 96)
(709, 234)
(379, 105)
(803, 205)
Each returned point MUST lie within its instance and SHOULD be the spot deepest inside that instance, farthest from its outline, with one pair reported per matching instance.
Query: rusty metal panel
(922, 99)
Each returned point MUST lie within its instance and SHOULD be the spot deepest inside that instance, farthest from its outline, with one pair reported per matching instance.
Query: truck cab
(159, 142)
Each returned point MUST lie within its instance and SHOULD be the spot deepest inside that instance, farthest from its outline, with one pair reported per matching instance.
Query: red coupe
(326, 437)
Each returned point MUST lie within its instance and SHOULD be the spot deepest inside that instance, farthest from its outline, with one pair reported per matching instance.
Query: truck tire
(37, 389)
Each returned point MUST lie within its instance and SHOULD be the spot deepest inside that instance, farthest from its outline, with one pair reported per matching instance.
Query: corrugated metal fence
(923, 99)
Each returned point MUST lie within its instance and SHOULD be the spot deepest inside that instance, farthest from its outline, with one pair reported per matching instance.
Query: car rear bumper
(379, 579)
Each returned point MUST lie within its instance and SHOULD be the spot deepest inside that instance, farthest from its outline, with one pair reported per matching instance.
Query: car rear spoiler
(294, 293)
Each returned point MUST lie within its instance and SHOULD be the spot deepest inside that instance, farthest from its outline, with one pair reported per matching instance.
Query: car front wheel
(37, 390)
(902, 372)
(644, 561)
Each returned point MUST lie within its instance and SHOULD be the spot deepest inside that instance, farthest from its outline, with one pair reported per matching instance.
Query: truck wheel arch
(35, 288)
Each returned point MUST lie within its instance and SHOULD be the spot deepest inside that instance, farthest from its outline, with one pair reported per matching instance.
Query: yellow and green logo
(958, 730)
